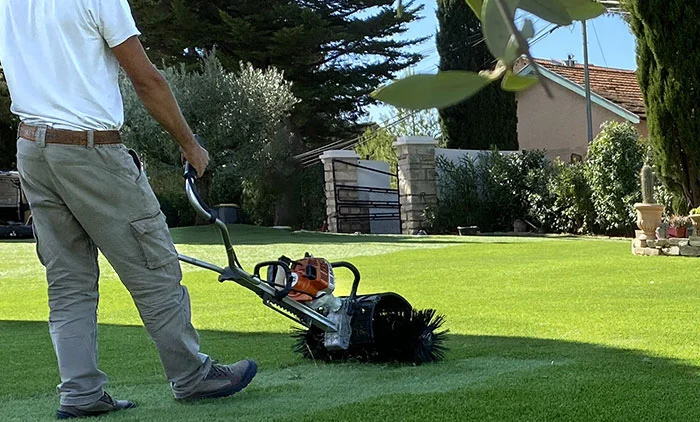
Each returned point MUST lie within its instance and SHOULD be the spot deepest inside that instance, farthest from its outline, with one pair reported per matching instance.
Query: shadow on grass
(483, 378)
(252, 235)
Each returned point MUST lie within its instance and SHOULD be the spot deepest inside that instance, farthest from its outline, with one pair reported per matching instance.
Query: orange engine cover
(314, 275)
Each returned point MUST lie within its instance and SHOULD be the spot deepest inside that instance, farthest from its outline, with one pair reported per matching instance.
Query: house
(558, 124)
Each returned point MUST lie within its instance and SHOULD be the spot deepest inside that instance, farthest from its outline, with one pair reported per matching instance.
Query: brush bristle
(410, 336)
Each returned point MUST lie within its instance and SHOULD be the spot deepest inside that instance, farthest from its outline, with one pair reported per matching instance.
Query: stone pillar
(343, 175)
(417, 180)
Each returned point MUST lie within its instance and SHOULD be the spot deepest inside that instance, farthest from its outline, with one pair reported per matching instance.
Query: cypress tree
(490, 117)
(669, 75)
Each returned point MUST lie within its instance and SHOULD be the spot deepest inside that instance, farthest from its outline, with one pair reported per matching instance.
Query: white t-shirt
(57, 59)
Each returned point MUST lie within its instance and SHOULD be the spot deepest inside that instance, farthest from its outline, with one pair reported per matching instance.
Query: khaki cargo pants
(85, 198)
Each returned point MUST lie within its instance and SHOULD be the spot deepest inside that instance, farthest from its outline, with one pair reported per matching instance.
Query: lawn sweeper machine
(380, 327)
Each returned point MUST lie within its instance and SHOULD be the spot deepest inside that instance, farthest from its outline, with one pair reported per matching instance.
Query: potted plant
(648, 213)
(678, 226)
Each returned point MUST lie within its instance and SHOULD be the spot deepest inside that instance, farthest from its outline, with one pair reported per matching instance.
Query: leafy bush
(169, 188)
(496, 191)
(509, 185)
(572, 210)
(8, 128)
(377, 143)
(490, 192)
(313, 197)
(458, 196)
(595, 196)
(241, 117)
(612, 171)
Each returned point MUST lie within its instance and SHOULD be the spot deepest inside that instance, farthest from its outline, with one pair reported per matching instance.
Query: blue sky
(610, 44)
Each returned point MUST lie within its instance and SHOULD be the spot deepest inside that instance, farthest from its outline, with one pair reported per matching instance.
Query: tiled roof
(617, 85)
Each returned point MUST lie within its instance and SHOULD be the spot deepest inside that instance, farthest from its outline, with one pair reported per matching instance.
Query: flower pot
(677, 232)
(648, 219)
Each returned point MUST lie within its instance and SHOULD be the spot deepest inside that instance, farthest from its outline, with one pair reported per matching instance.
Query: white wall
(456, 155)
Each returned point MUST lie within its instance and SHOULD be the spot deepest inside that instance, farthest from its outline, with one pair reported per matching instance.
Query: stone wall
(672, 247)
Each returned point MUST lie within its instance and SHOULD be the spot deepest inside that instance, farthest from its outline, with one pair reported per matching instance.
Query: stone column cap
(415, 140)
(329, 155)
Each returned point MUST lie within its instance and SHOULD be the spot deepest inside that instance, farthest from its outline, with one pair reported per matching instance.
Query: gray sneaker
(224, 380)
(104, 405)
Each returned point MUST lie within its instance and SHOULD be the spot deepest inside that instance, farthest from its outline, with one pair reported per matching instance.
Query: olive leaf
(563, 12)
(551, 10)
(581, 10)
(432, 91)
(495, 26)
(476, 6)
(513, 82)
(505, 41)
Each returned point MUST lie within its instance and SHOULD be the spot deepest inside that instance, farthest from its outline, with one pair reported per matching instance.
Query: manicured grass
(542, 329)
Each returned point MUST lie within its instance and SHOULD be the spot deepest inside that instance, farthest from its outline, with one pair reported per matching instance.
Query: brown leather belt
(69, 137)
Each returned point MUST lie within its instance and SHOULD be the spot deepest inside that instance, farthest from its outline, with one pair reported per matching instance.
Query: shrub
(8, 128)
(497, 193)
(572, 210)
(377, 143)
(313, 197)
(168, 187)
(490, 192)
(458, 196)
(612, 171)
(509, 185)
(240, 116)
(595, 196)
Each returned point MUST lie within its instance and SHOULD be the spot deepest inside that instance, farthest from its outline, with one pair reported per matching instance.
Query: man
(87, 192)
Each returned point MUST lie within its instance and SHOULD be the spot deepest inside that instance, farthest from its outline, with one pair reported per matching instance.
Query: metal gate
(372, 205)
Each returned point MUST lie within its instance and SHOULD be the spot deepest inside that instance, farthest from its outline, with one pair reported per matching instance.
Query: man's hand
(197, 156)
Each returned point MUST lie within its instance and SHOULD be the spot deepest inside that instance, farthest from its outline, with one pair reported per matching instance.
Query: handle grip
(279, 294)
(193, 194)
(206, 212)
(190, 171)
(355, 283)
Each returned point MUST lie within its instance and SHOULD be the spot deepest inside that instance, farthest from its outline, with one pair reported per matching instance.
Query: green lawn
(541, 329)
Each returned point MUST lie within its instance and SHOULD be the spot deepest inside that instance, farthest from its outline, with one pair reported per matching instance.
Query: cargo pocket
(155, 241)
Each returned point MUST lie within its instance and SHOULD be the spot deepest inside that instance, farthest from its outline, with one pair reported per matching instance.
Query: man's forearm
(154, 92)
(160, 103)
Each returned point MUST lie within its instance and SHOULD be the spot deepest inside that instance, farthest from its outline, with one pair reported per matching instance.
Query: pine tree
(668, 72)
(335, 52)
(490, 117)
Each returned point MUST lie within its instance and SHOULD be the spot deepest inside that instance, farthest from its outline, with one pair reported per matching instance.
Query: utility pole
(587, 83)
(613, 6)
